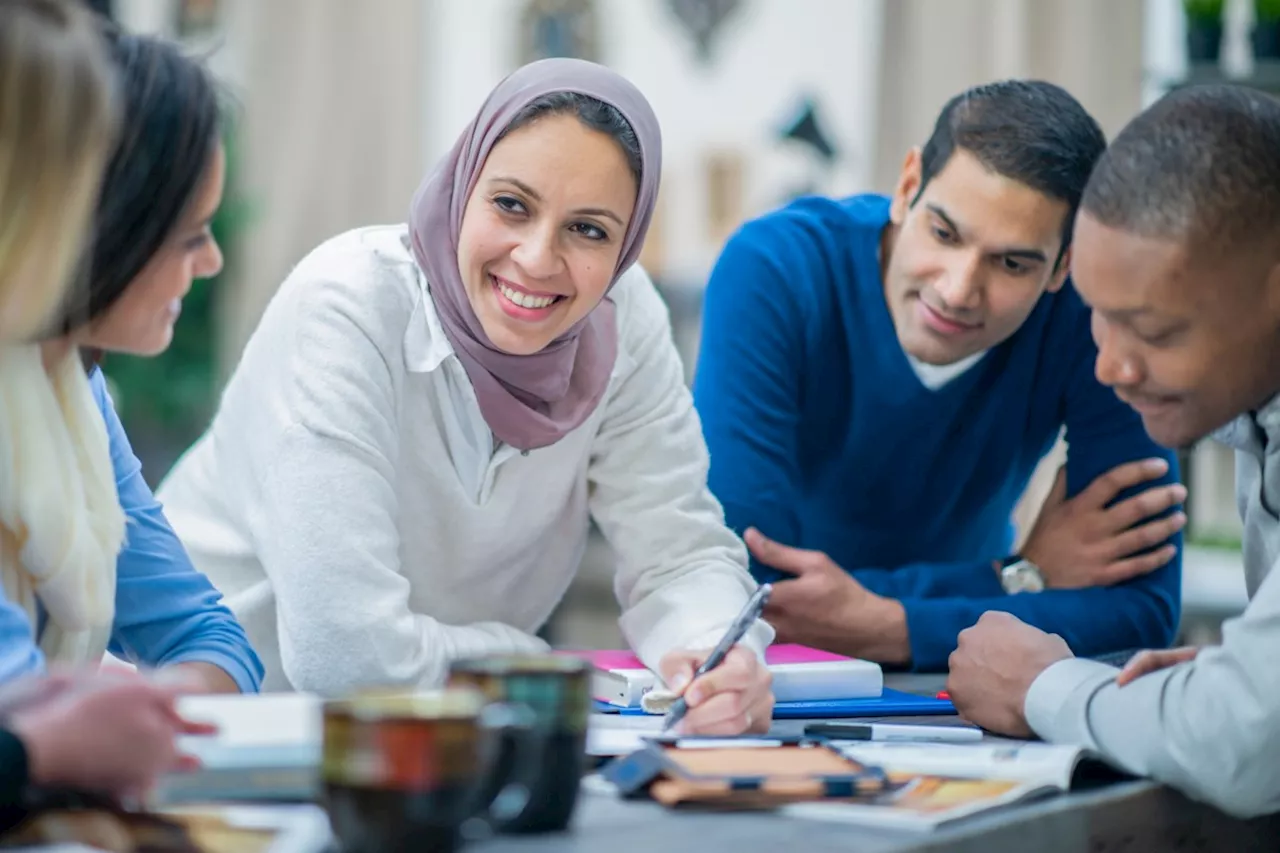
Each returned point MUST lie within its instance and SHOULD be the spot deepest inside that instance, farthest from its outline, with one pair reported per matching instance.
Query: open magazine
(934, 784)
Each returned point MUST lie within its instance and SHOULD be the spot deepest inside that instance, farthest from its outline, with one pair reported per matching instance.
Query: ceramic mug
(540, 757)
(412, 771)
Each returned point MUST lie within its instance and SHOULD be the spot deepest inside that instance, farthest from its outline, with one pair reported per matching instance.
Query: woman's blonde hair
(58, 117)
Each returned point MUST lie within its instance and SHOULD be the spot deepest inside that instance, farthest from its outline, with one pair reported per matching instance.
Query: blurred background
(339, 107)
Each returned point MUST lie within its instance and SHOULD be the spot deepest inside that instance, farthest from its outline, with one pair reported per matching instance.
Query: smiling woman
(407, 460)
(507, 248)
(162, 188)
(546, 230)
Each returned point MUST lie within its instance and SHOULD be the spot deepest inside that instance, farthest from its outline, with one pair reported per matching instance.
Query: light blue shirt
(166, 611)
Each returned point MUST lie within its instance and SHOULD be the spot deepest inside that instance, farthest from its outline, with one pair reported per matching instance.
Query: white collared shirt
(348, 501)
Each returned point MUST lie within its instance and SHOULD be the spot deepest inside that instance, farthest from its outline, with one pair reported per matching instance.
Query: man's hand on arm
(824, 607)
(1091, 541)
(993, 667)
(1154, 660)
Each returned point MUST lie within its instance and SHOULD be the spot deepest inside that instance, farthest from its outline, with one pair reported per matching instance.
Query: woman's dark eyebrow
(533, 194)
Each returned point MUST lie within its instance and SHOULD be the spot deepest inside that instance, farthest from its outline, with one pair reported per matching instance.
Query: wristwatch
(1020, 575)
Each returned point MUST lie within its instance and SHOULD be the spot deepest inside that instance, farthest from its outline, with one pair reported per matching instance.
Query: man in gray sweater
(1177, 251)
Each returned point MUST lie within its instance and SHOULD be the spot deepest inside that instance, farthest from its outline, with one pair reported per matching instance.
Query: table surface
(1116, 814)
(1111, 814)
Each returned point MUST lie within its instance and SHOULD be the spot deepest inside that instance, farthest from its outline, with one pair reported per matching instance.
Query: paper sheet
(267, 730)
(619, 734)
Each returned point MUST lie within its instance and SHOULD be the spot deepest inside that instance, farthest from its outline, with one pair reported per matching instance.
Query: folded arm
(1102, 433)
(1092, 621)
(962, 579)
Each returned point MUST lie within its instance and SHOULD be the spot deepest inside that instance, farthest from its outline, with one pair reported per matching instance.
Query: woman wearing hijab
(88, 562)
(406, 463)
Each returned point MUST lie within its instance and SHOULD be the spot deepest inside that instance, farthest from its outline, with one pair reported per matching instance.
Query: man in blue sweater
(879, 377)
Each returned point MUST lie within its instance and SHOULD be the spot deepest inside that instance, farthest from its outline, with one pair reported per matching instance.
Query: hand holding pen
(726, 691)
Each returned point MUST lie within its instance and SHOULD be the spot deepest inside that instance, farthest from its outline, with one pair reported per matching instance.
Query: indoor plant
(1204, 29)
(1266, 29)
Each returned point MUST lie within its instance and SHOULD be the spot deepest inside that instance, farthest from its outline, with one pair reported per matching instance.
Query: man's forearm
(1204, 727)
(963, 579)
(881, 633)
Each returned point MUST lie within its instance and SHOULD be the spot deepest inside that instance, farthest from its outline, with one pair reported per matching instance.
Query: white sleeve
(1208, 727)
(326, 526)
(681, 573)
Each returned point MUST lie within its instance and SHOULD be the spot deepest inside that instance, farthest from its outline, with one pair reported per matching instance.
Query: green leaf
(1203, 11)
(1266, 11)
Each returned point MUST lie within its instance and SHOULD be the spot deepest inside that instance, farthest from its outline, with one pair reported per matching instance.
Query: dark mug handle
(509, 773)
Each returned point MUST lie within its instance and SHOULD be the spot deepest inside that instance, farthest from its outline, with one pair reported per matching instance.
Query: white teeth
(524, 300)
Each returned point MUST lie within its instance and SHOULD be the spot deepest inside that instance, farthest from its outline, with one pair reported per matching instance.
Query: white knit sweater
(348, 503)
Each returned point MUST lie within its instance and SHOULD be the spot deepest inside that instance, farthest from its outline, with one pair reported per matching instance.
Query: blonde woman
(57, 124)
(58, 113)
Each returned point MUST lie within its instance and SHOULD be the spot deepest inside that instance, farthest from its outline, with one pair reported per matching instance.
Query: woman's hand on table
(115, 734)
(734, 698)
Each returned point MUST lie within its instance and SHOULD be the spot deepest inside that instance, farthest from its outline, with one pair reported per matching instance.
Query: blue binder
(890, 703)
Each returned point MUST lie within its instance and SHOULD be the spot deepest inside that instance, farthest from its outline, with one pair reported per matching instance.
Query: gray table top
(1121, 814)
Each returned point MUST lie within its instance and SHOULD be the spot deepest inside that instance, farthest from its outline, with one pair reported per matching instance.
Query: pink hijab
(529, 401)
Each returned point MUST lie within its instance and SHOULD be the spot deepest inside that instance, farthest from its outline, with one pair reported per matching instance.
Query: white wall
(768, 55)
(224, 52)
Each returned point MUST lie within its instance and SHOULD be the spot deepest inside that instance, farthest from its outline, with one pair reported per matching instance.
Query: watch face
(1022, 577)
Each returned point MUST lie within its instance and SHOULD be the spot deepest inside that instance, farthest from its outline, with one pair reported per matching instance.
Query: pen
(903, 732)
(750, 613)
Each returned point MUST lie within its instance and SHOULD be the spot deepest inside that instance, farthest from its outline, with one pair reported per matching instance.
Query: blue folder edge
(890, 703)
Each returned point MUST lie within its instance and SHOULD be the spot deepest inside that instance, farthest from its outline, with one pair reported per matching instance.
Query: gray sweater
(1209, 727)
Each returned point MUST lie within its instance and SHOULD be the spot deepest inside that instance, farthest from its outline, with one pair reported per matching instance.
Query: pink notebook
(782, 653)
(800, 674)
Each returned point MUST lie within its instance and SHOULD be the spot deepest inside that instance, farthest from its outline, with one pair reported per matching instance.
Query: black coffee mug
(411, 772)
(540, 758)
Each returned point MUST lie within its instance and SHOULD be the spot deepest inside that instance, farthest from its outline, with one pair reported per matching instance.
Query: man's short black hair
(1030, 131)
(1202, 164)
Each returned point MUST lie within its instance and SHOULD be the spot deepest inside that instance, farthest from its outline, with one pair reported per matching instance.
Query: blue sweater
(166, 611)
(822, 436)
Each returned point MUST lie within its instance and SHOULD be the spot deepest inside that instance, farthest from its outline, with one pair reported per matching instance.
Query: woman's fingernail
(679, 682)
(693, 697)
